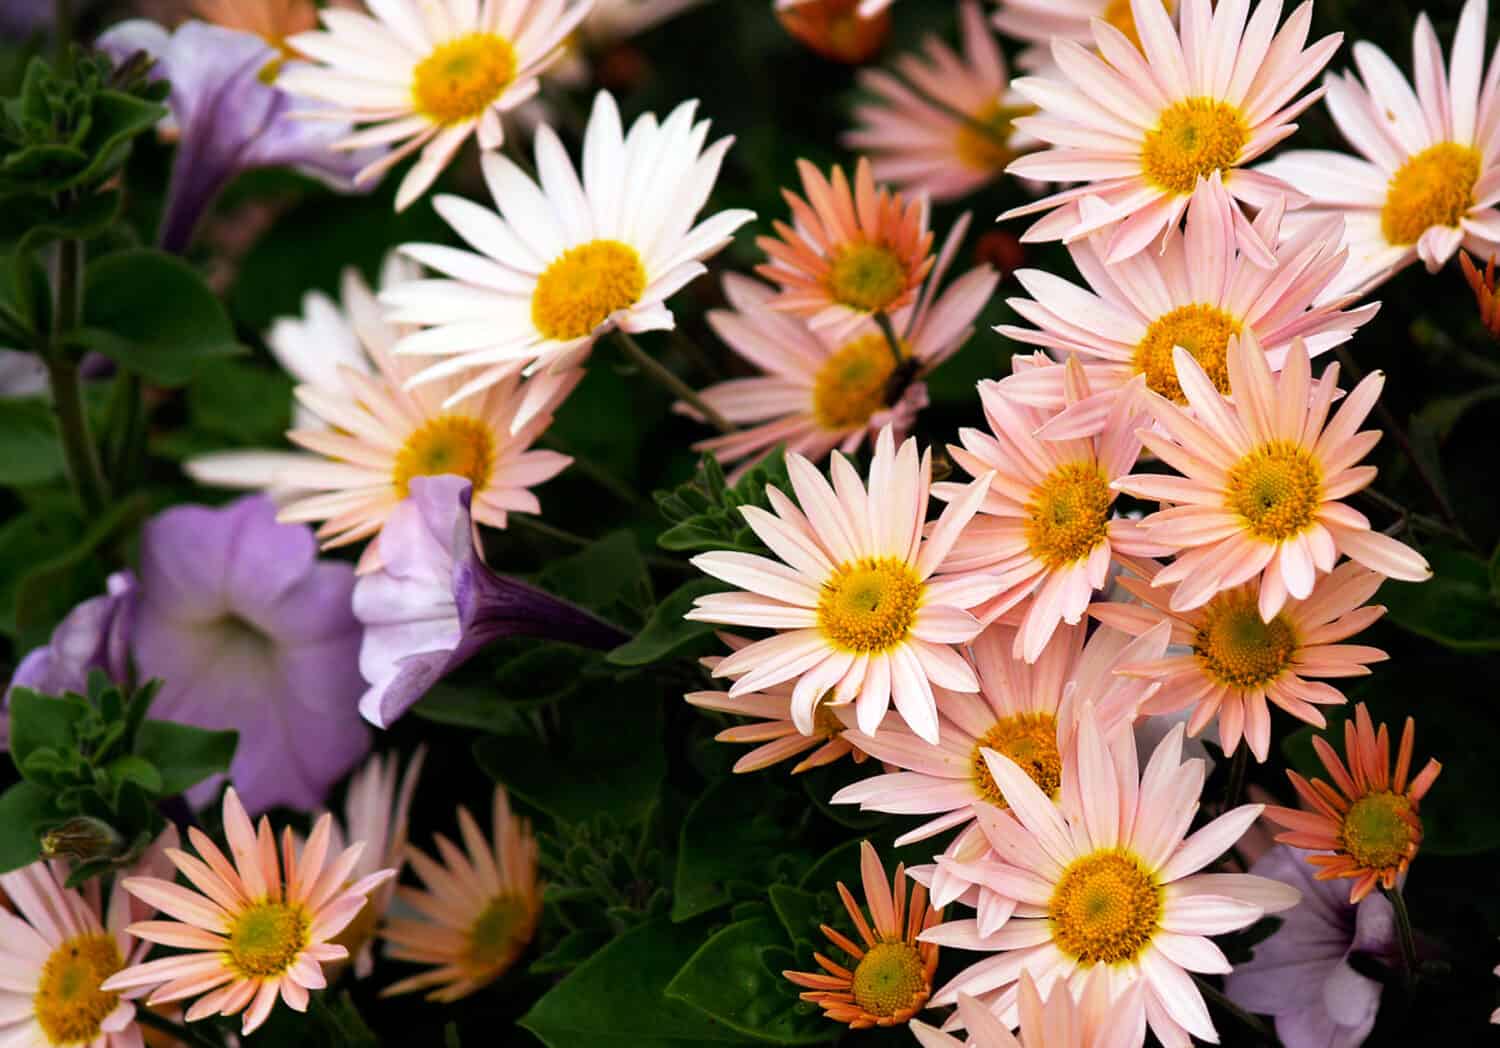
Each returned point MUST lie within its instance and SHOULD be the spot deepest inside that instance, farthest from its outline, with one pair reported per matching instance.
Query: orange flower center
(446, 444)
(69, 1005)
(1433, 188)
(890, 979)
(499, 933)
(1380, 831)
(583, 286)
(1202, 330)
(1276, 489)
(1068, 514)
(869, 605)
(1192, 139)
(867, 277)
(854, 382)
(984, 140)
(266, 938)
(463, 77)
(1029, 739)
(1105, 908)
(1237, 647)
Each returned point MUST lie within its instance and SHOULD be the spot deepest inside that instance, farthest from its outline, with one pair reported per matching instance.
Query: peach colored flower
(1091, 1021)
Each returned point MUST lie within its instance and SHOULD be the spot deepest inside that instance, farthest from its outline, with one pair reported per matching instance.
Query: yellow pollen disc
(1379, 831)
(1237, 648)
(266, 938)
(1105, 908)
(866, 277)
(1433, 188)
(989, 150)
(1029, 739)
(1192, 139)
(446, 444)
(1117, 14)
(1068, 514)
(890, 978)
(583, 286)
(1276, 489)
(69, 1004)
(1202, 330)
(463, 77)
(853, 383)
(869, 605)
(497, 936)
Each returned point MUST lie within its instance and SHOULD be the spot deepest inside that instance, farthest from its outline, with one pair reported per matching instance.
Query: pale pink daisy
(1429, 179)
(944, 125)
(1237, 662)
(258, 927)
(1044, 530)
(1037, 22)
(427, 74)
(1262, 478)
(1109, 877)
(822, 390)
(1141, 129)
(853, 598)
(1091, 1021)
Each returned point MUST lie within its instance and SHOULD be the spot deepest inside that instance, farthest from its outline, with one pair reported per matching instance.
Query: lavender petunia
(1301, 975)
(433, 603)
(249, 630)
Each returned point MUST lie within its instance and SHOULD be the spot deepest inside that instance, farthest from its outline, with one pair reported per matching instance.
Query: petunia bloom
(93, 636)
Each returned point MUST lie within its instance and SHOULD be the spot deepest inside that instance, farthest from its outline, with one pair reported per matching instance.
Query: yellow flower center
(984, 141)
(826, 722)
(1068, 514)
(1118, 15)
(1380, 830)
(854, 382)
(1239, 649)
(1276, 489)
(1029, 739)
(1433, 188)
(446, 444)
(463, 77)
(889, 979)
(1105, 908)
(266, 938)
(583, 286)
(1202, 330)
(869, 605)
(1193, 139)
(498, 935)
(69, 1004)
(866, 277)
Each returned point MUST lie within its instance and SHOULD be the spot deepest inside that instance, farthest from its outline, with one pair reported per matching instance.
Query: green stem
(1239, 767)
(1414, 520)
(606, 480)
(62, 31)
(79, 450)
(1214, 996)
(1407, 937)
(658, 371)
(891, 338)
(540, 527)
(186, 1034)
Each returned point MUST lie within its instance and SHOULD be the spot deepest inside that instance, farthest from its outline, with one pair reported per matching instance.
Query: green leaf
(603, 577)
(616, 999)
(47, 590)
(184, 755)
(31, 538)
(450, 1036)
(243, 402)
(735, 977)
(666, 632)
(153, 314)
(1456, 607)
(571, 950)
(26, 811)
(141, 772)
(30, 449)
(42, 722)
(800, 913)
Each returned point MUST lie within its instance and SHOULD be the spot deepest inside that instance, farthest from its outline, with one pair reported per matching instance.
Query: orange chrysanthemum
(892, 974)
(1486, 294)
(1368, 819)
(271, 20)
(836, 29)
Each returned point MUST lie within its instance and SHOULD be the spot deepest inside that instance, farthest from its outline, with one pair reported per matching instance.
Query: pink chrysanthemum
(852, 597)
(1262, 478)
(1038, 22)
(1091, 1021)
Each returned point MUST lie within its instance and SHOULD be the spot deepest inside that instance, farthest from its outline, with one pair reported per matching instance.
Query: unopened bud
(83, 839)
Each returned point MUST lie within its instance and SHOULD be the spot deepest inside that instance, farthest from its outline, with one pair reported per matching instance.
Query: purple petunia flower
(249, 630)
(433, 603)
(1301, 975)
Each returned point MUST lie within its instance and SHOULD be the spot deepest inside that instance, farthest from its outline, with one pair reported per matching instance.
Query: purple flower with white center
(249, 630)
(1301, 975)
(433, 603)
(21, 374)
(227, 118)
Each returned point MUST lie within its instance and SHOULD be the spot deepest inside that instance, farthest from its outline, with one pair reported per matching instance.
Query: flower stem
(1239, 767)
(1216, 997)
(186, 1034)
(79, 450)
(653, 367)
(1408, 939)
(891, 338)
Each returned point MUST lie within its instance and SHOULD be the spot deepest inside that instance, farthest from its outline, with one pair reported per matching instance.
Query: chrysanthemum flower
(1486, 296)
(429, 75)
(1198, 292)
(1037, 22)
(1092, 1021)
(479, 908)
(58, 946)
(850, 253)
(823, 391)
(1238, 661)
(1044, 530)
(1109, 876)
(565, 262)
(773, 727)
(890, 977)
(1368, 818)
(1429, 181)
(274, 21)
(258, 927)
(853, 598)
(944, 125)
(376, 435)
(1263, 474)
(1141, 129)
(837, 29)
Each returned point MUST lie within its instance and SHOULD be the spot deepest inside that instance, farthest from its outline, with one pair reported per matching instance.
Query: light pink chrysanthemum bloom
(1109, 876)
(1037, 22)
(1091, 1021)
(427, 75)
(1429, 180)
(1237, 662)
(258, 927)
(1262, 478)
(1198, 292)
(853, 596)
(944, 125)
(1044, 530)
(58, 945)
(1141, 129)
(822, 390)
